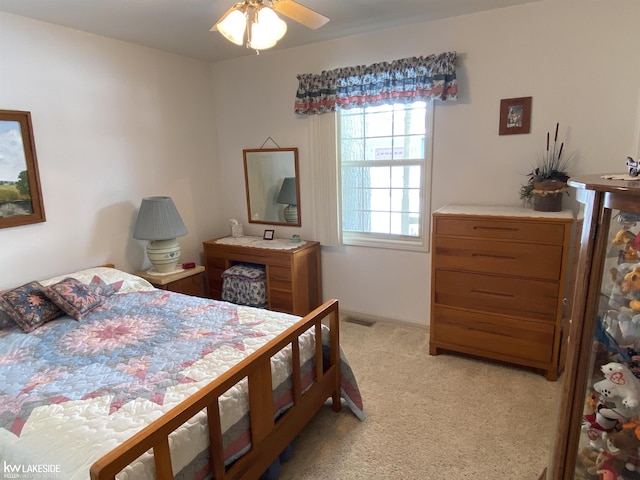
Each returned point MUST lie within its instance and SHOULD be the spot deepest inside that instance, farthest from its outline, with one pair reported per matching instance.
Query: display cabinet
(598, 434)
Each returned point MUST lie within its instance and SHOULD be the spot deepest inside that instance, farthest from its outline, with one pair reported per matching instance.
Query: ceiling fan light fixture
(233, 26)
(267, 29)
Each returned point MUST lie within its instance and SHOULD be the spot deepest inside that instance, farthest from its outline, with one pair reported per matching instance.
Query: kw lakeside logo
(31, 471)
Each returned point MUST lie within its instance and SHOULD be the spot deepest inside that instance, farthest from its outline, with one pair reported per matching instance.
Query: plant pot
(547, 195)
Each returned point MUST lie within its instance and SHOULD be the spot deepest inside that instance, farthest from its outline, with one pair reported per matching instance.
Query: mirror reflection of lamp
(287, 196)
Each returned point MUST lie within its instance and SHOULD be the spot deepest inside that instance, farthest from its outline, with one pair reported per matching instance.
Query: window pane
(405, 224)
(380, 177)
(379, 124)
(405, 200)
(380, 199)
(408, 147)
(406, 176)
(407, 121)
(380, 222)
(379, 148)
(352, 150)
(352, 126)
(356, 221)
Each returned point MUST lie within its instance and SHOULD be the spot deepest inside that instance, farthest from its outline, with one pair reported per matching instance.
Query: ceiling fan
(256, 24)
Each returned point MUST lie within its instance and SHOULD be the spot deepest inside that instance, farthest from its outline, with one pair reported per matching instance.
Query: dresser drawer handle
(508, 229)
(495, 294)
(506, 257)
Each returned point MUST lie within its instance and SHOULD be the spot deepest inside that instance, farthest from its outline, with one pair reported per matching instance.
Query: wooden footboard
(268, 436)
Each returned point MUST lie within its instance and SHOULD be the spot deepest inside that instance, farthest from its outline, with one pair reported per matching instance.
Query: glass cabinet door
(609, 434)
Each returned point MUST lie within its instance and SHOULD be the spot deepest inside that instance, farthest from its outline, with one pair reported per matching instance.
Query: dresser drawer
(479, 333)
(500, 229)
(517, 297)
(502, 258)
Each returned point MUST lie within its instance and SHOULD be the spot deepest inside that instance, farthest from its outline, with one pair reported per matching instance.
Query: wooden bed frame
(269, 437)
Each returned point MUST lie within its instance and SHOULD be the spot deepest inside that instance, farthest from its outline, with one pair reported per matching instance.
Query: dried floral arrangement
(550, 175)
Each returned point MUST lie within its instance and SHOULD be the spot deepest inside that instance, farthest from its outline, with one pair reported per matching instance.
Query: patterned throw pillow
(28, 306)
(103, 289)
(6, 322)
(73, 296)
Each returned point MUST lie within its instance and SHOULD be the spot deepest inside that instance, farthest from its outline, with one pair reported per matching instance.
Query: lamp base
(164, 254)
(291, 214)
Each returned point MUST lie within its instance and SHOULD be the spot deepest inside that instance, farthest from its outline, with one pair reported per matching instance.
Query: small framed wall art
(515, 116)
(20, 193)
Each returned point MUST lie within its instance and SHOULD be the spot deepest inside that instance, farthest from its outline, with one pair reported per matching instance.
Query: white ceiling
(182, 26)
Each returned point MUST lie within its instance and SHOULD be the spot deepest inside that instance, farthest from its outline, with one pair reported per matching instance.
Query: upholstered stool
(245, 284)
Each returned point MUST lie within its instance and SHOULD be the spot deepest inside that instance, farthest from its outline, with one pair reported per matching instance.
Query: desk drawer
(281, 301)
(486, 334)
(517, 297)
(279, 277)
(500, 229)
(502, 258)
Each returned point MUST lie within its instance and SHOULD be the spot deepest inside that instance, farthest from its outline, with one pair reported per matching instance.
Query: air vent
(360, 321)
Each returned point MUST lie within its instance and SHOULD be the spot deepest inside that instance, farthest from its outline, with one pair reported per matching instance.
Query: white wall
(113, 123)
(577, 59)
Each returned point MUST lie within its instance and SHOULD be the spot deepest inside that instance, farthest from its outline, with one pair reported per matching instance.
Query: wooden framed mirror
(273, 186)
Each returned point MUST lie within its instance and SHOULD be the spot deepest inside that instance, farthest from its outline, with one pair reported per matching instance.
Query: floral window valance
(401, 81)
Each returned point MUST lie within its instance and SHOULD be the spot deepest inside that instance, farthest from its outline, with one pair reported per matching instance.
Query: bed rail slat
(319, 365)
(261, 401)
(269, 438)
(296, 374)
(216, 448)
(162, 458)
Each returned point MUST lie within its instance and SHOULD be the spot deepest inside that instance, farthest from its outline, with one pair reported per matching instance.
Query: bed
(139, 383)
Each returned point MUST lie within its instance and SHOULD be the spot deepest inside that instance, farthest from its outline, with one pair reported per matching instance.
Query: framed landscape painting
(20, 193)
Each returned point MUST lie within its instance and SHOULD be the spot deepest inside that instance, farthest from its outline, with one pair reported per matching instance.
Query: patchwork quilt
(70, 391)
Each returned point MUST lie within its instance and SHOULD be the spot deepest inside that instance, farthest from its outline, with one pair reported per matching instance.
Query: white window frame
(392, 241)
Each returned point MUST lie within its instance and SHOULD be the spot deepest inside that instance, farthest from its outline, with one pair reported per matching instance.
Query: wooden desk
(294, 281)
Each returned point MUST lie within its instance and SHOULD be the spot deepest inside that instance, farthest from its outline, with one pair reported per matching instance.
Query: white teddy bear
(619, 381)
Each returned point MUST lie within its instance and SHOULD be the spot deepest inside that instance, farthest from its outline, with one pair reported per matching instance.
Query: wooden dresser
(294, 282)
(498, 283)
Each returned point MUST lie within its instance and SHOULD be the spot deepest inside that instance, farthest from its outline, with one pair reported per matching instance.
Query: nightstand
(189, 281)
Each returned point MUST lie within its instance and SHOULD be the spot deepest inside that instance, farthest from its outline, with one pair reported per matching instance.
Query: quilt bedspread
(70, 384)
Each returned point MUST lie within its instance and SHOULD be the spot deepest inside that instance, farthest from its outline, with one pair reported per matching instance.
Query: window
(384, 162)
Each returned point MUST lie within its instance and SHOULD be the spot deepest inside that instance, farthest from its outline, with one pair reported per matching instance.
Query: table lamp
(159, 222)
(288, 197)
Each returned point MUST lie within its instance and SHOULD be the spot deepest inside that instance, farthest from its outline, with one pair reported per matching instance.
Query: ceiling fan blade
(231, 9)
(301, 14)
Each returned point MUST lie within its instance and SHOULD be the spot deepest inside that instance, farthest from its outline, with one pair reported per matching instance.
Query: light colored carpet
(442, 417)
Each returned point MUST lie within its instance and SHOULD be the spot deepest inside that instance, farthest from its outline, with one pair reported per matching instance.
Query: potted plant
(548, 180)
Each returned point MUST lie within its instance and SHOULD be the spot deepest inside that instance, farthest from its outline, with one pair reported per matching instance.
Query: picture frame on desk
(268, 234)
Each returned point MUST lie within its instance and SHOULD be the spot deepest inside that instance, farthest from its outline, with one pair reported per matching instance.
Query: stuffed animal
(619, 382)
(606, 466)
(624, 445)
(628, 239)
(631, 281)
(631, 284)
